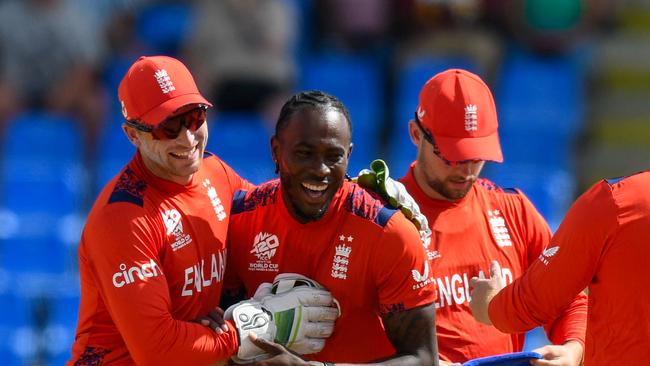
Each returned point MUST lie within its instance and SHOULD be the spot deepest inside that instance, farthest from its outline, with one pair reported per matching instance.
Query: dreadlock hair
(310, 99)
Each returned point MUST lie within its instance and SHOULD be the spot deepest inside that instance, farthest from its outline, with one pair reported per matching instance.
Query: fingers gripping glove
(299, 318)
(377, 179)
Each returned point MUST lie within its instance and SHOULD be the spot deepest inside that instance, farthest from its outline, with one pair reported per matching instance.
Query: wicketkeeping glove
(295, 312)
(377, 179)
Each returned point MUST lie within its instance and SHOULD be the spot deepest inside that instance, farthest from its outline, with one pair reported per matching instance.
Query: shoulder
(500, 195)
(367, 206)
(127, 187)
(620, 193)
(629, 182)
(260, 196)
(491, 188)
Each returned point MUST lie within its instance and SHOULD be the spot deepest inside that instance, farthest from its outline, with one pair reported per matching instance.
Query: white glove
(377, 179)
(299, 318)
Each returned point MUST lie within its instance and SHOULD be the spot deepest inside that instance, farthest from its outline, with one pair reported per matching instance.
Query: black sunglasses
(170, 128)
(429, 138)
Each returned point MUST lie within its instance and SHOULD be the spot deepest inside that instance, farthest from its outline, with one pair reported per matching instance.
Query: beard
(449, 193)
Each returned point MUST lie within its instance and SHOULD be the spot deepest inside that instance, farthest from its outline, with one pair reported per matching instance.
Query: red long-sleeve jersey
(152, 258)
(489, 223)
(367, 255)
(603, 243)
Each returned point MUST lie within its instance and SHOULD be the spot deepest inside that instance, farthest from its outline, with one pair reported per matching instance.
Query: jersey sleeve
(563, 270)
(400, 267)
(120, 249)
(571, 324)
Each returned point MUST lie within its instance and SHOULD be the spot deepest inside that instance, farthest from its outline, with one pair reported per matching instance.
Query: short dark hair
(313, 99)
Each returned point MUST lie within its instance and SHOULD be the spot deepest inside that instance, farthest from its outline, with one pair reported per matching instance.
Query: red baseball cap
(155, 87)
(457, 108)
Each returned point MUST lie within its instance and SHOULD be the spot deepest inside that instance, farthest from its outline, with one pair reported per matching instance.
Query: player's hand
(568, 354)
(298, 313)
(279, 355)
(214, 320)
(377, 179)
(483, 290)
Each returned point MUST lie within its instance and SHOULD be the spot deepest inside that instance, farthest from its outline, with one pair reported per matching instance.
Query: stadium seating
(114, 151)
(43, 191)
(242, 141)
(163, 27)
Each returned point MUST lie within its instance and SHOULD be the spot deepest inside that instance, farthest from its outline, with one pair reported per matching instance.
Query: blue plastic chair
(538, 94)
(44, 189)
(164, 27)
(242, 141)
(114, 151)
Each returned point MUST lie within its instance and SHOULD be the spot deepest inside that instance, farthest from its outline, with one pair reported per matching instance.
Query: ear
(275, 149)
(131, 134)
(415, 133)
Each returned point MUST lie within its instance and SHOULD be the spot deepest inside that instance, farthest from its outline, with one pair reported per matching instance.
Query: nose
(319, 167)
(468, 168)
(186, 136)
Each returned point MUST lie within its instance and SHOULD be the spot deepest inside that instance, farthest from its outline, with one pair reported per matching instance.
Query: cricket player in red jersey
(153, 250)
(313, 222)
(603, 243)
(473, 221)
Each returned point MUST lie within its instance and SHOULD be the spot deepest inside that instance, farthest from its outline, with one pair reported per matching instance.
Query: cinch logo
(125, 276)
(547, 254)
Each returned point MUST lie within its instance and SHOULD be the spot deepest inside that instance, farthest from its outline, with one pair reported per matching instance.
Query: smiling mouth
(184, 155)
(314, 190)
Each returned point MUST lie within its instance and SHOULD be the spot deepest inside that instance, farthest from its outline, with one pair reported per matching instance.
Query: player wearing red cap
(153, 250)
(602, 243)
(313, 223)
(473, 221)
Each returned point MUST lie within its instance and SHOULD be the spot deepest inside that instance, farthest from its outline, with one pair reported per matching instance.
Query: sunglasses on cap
(429, 138)
(170, 128)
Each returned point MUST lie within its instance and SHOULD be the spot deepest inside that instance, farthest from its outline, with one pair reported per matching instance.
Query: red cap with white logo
(155, 87)
(458, 109)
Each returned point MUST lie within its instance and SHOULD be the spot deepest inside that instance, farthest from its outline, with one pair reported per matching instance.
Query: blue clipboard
(506, 359)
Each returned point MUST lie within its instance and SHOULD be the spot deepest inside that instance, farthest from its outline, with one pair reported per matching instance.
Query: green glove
(377, 179)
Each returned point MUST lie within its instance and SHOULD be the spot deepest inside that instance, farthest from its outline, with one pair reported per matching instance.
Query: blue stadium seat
(410, 79)
(61, 329)
(44, 187)
(114, 151)
(17, 343)
(164, 27)
(242, 141)
(538, 93)
(356, 81)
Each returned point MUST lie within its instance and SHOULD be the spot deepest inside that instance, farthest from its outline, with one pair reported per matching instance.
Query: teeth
(315, 187)
(185, 155)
